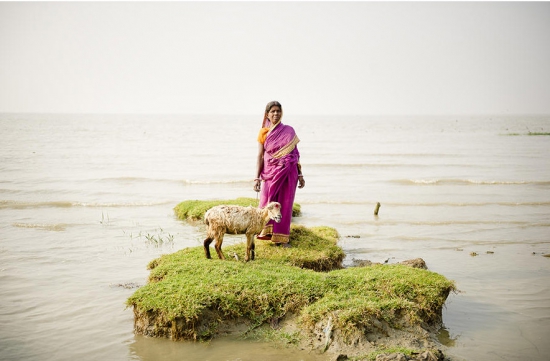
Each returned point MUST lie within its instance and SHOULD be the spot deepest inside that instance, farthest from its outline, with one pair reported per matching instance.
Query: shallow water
(87, 201)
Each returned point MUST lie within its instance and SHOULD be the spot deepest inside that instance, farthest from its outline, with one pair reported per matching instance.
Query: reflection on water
(227, 349)
(444, 336)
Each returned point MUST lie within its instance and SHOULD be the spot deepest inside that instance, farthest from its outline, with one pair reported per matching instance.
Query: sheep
(237, 220)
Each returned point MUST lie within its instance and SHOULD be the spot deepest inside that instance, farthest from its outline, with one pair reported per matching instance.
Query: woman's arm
(301, 181)
(259, 167)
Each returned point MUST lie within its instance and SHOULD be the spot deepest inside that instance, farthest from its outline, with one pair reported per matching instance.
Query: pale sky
(403, 58)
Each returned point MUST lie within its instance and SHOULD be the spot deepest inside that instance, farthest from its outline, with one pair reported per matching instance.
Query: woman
(279, 168)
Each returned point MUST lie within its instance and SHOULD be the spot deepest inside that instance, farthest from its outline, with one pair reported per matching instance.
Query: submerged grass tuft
(278, 336)
(384, 351)
(530, 134)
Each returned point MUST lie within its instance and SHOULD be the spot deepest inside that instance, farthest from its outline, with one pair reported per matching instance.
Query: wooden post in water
(376, 208)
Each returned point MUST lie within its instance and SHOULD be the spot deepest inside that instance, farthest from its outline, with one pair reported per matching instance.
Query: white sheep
(237, 220)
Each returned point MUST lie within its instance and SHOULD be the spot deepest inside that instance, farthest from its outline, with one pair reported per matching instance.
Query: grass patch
(358, 297)
(189, 296)
(311, 248)
(530, 134)
(194, 210)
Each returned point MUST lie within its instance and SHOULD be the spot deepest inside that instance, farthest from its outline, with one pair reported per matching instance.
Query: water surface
(86, 201)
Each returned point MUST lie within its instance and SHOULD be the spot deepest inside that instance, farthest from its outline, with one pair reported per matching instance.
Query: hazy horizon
(383, 115)
(328, 58)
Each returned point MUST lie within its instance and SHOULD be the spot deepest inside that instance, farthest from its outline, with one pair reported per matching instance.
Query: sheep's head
(274, 211)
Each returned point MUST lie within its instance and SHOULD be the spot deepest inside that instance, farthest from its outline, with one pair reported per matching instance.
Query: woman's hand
(257, 185)
(301, 181)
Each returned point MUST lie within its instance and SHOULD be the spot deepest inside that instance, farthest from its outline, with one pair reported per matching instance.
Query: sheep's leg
(218, 246)
(207, 247)
(250, 247)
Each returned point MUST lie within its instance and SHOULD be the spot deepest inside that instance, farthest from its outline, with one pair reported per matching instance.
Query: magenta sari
(280, 178)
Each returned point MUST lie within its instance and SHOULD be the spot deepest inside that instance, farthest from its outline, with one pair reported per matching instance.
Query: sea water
(86, 201)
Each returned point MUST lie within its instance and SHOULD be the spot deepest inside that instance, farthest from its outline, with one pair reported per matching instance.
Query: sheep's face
(274, 211)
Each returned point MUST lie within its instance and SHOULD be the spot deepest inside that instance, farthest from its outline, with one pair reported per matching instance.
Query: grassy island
(300, 294)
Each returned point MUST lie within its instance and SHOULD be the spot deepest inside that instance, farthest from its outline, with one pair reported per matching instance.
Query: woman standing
(279, 168)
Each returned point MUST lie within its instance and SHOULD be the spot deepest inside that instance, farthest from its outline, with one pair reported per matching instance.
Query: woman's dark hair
(268, 107)
(271, 105)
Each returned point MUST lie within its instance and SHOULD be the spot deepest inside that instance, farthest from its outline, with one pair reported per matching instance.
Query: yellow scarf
(264, 131)
(263, 135)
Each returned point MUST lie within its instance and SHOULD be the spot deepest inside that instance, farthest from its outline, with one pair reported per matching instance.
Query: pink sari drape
(280, 177)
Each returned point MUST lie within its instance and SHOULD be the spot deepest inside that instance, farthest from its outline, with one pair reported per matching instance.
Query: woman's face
(274, 115)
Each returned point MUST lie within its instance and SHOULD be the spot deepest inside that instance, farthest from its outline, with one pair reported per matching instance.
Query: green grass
(530, 134)
(190, 297)
(194, 210)
(361, 296)
(193, 295)
(538, 133)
